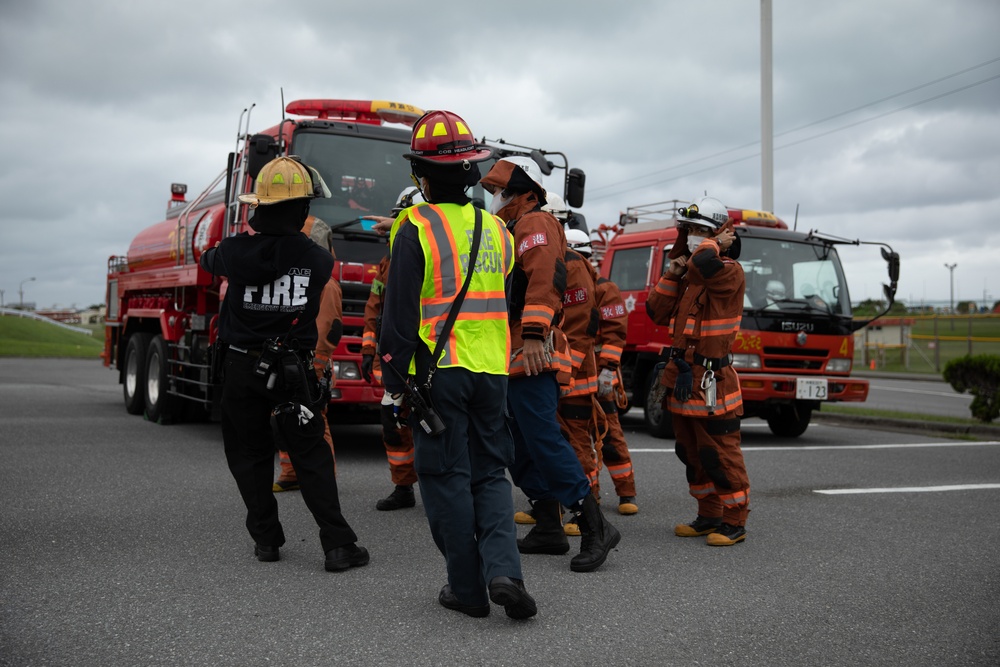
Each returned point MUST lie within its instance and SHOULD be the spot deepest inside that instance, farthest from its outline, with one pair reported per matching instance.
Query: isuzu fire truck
(795, 347)
(163, 309)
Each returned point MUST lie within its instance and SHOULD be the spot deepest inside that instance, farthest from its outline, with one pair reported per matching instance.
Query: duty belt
(700, 360)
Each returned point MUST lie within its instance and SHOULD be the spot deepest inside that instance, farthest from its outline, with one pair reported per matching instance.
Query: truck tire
(160, 405)
(659, 423)
(790, 421)
(134, 373)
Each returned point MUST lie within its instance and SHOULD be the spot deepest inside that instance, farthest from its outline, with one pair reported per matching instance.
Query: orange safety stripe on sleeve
(720, 327)
(667, 287)
(537, 314)
(611, 353)
(582, 387)
(368, 338)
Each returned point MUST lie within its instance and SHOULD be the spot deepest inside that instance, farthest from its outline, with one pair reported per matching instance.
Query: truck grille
(355, 297)
(794, 358)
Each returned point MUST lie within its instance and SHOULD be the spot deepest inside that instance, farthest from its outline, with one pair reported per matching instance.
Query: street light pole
(951, 307)
(20, 290)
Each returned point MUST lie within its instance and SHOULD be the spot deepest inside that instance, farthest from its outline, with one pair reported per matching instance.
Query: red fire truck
(163, 308)
(795, 347)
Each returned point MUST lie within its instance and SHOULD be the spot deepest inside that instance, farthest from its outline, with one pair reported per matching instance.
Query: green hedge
(980, 376)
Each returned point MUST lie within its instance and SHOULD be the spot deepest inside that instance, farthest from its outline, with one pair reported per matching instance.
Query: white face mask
(694, 242)
(499, 201)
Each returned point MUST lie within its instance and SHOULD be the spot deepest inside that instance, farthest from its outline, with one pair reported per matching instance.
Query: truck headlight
(346, 370)
(746, 361)
(839, 365)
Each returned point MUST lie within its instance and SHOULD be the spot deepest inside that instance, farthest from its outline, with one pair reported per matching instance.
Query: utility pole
(20, 290)
(766, 111)
(951, 307)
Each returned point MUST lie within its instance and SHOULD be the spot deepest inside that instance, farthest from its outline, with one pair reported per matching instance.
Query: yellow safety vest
(480, 338)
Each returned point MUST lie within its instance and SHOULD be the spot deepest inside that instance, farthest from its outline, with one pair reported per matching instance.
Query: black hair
(447, 183)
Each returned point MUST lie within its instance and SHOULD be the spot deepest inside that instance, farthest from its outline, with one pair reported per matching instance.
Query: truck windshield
(790, 276)
(365, 175)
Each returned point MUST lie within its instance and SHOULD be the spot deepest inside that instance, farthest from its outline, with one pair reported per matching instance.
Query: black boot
(400, 498)
(598, 537)
(547, 537)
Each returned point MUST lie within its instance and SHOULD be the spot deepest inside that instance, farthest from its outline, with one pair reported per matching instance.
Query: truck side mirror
(892, 259)
(576, 180)
(263, 148)
(543, 164)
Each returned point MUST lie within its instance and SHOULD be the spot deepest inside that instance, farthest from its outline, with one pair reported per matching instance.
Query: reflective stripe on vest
(480, 339)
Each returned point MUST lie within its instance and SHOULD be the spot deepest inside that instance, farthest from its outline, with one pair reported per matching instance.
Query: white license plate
(813, 389)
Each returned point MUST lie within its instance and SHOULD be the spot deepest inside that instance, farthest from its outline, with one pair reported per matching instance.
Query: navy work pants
(545, 463)
(463, 483)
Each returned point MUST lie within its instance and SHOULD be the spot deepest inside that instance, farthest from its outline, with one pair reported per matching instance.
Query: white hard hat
(555, 205)
(529, 166)
(410, 196)
(579, 240)
(707, 212)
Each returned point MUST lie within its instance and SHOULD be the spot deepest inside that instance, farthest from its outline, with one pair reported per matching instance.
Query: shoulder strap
(456, 305)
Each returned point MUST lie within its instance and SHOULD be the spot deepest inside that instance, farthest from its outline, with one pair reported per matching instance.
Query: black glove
(685, 381)
(367, 363)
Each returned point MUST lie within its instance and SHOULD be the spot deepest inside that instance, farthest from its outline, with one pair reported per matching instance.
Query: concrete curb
(977, 431)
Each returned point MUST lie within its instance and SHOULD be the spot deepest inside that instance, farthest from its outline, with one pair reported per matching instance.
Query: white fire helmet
(579, 240)
(410, 196)
(706, 212)
(556, 206)
(529, 166)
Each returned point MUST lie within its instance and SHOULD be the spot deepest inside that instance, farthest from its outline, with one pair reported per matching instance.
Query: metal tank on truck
(163, 308)
(795, 347)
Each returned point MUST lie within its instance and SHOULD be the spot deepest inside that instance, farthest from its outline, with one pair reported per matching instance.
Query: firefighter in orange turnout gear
(611, 330)
(397, 437)
(330, 325)
(545, 466)
(700, 297)
(577, 417)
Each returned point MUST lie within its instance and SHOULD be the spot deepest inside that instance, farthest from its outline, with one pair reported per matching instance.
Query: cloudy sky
(886, 113)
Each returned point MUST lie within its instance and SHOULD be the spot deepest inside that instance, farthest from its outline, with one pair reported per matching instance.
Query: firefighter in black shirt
(268, 331)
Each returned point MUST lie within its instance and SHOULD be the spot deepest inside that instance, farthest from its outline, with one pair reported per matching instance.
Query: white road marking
(909, 489)
(803, 448)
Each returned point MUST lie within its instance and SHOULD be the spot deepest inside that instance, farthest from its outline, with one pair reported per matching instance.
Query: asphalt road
(929, 397)
(123, 543)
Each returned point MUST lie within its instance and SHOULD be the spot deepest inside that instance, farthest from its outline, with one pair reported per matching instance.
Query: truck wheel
(790, 421)
(659, 423)
(134, 377)
(160, 405)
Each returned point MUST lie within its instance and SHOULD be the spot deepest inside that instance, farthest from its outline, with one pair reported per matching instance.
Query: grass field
(26, 337)
(935, 340)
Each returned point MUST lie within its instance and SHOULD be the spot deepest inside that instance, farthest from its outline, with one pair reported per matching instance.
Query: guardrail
(27, 313)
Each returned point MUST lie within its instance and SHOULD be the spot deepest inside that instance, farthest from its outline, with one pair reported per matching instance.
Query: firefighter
(611, 331)
(546, 467)
(270, 392)
(461, 374)
(397, 437)
(577, 411)
(329, 328)
(700, 297)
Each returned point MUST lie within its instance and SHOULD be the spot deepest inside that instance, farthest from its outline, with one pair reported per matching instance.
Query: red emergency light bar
(371, 112)
(757, 218)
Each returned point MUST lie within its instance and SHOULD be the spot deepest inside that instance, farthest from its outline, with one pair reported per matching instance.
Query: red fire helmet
(442, 137)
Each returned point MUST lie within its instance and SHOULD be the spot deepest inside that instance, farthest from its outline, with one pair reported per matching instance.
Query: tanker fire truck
(163, 309)
(795, 346)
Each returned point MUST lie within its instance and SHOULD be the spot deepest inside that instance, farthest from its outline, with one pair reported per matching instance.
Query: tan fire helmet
(282, 179)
